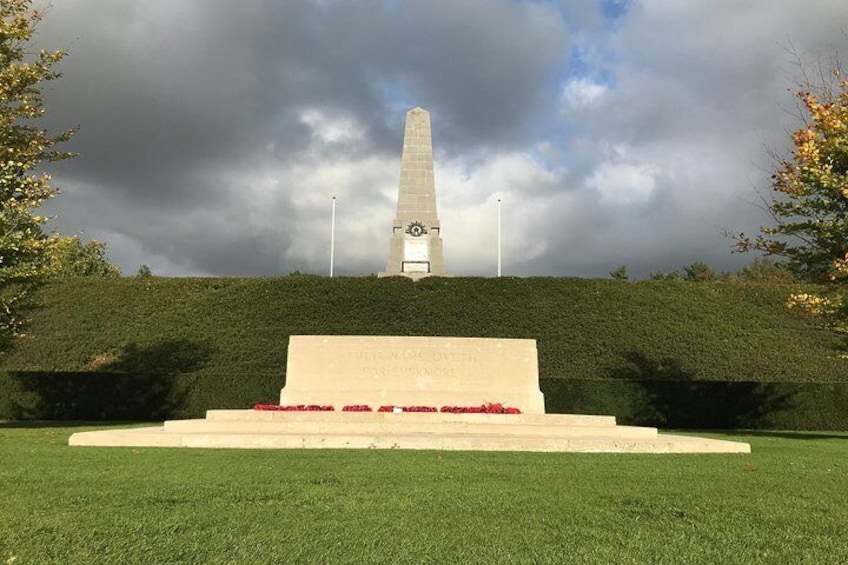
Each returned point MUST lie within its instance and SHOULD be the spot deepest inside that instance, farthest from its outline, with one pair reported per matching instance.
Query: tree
(810, 210)
(699, 272)
(144, 271)
(620, 274)
(661, 276)
(764, 269)
(25, 148)
(68, 257)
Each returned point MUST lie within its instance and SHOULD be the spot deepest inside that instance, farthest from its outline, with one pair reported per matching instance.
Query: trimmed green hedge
(666, 353)
(128, 396)
(704, 404)
(585, 329)
(674, 404)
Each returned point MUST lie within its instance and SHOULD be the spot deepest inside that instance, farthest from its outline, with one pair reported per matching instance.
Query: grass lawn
(787, 502)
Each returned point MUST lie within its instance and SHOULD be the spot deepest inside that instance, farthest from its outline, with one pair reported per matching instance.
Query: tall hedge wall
(665, 353)
(676, 404)
(585, 329)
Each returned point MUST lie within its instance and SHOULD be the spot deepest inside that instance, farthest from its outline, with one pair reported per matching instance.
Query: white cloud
(133, 254)
(327, 129)
(468, 211)
(624, 183)
(217, 149)
(582, 92)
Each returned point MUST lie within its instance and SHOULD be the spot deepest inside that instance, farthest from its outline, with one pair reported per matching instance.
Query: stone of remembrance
(410, 371)
(404, 371)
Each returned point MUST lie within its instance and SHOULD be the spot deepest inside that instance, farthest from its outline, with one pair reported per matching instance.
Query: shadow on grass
(140, 383)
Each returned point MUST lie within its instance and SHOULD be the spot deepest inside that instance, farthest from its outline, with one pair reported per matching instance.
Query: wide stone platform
(409, 371)
(378, 430)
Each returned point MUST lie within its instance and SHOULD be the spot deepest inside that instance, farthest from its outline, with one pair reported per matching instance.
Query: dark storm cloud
(672, 126)
(184, 107)
(213, 133)
(164, 89)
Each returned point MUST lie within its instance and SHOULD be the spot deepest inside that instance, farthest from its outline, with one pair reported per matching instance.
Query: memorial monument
(415, 246)
(420, 379)
(410, 371)
(409, 392)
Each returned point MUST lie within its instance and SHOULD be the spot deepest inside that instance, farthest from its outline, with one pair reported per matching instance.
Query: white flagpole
(333, 237)
(499, 237)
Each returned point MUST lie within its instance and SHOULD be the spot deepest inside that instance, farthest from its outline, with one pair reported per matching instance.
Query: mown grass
(785, 503)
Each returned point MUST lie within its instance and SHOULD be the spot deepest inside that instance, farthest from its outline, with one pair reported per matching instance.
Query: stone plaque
(416, 250)
(412, 371)
(416, 267)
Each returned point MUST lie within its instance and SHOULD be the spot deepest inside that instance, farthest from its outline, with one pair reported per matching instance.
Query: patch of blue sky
(589, 56)
(589, 63)
(396, 95)
(555, 132)
(545, 158)
(553, 151)
(614, 9)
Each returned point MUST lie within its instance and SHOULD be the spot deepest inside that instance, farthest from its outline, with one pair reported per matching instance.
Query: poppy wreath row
(490, 408)
(294, 408)
(408, 408)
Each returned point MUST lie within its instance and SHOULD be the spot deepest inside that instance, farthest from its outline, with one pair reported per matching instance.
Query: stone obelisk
(415, 248)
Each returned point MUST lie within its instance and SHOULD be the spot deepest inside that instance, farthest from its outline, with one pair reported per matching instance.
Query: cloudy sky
(214, 133)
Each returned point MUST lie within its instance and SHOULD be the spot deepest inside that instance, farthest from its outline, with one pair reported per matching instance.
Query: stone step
(130, 437)
(157, 437)
(398, 425)
(424, 417)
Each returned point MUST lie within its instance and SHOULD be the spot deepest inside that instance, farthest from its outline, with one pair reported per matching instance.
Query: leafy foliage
(67, 257)
(25, 147)
(619, 274)
(649, 352)
(766, 270)
(670, 276)
(810, 209)
(584, 328)
(760, 270)
(645, 399)
(699, 272)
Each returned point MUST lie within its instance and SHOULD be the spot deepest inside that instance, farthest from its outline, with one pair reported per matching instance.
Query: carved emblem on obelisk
(415, 246)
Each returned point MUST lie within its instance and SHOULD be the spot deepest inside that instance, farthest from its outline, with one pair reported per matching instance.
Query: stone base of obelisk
(412, 275)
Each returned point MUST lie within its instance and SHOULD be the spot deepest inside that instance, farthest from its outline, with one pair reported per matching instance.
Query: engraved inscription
(403, 371)
(408, 370)
(410, 363)
(432, 355)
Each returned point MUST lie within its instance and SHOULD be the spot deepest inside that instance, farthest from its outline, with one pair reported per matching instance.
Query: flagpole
(499, 237)
(333, 237)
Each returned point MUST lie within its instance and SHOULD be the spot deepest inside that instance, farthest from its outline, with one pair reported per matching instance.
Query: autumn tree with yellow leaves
(25, 149)
(810, 207)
